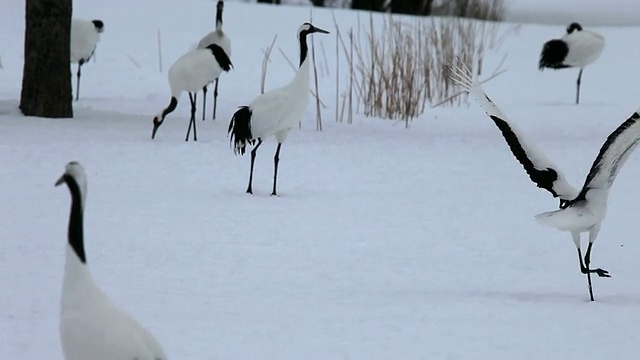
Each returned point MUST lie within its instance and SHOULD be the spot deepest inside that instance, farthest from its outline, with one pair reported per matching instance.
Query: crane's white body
(580, 211)
(91, 325)
(585, 47)
(192, 71)
(276, 112)
(84, 38)
(575, 219)
(578, 48)
(217, 37)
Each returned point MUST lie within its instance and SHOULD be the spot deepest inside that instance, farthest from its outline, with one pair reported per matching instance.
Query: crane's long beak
(316, 29)
(156, 125)
(60, 181)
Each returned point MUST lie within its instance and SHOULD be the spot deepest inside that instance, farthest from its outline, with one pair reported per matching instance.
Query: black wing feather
(543, 178)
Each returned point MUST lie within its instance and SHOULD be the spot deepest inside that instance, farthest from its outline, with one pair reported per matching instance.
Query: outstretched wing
(544, 173)
(613, 154)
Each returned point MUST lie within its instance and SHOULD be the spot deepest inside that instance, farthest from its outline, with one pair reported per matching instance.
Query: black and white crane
(85, 35)
(581, 211)
(217, 37)
(91, 325)
(275, 112)
(190, 73)
(578, 48)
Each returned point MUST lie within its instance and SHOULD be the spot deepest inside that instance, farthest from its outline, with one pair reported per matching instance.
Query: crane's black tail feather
(240, 130)
(554, 52)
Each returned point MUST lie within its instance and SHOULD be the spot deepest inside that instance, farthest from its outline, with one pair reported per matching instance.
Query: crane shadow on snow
(572, 105)
(522, 296)
(546, 297)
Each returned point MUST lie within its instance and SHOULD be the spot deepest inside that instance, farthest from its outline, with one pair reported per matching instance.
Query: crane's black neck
(170, 108)
(76, 230)
(219, 17)
(304, 49)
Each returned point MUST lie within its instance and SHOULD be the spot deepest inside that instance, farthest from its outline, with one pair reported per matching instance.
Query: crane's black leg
(192, 121)
(215, 99)
(587, 262)
(253, 158)
(578, 87)
(276, 160)
(204, 101)
(584, 268)
(78, 79)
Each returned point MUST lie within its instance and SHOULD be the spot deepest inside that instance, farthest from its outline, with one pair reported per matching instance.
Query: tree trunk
(46, 78)
(411, 7)
(318, 3)
(372, 5)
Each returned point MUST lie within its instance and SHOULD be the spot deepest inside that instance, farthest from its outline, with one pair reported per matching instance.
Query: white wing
(540, 169)
(613, 154)
(584, 47)
(194, 70)
(216, 37)
(277, 110)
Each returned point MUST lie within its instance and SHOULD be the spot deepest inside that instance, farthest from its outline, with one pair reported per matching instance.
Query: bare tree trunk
(318, 3)
(462, 8)
(411, 7)
(373, 5)
(428, 5)
(46, 79)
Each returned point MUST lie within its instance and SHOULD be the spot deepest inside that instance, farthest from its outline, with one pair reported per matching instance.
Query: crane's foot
(598, 271)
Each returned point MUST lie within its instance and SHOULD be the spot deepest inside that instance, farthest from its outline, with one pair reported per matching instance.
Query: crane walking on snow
(85, 35)
(274, 113)
(217, 37)
(580, 211)
(191, 72)
(578, 48)
(91, 325)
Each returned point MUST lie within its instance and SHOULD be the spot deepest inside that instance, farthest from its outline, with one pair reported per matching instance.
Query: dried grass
(400, 66)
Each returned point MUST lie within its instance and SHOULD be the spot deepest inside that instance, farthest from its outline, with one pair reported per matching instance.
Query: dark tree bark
(371, 5)
(411, 7)
(46, 79)
(318, 3)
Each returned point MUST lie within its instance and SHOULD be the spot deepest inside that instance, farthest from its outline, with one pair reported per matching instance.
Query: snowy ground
(588, 12)
(385, 243)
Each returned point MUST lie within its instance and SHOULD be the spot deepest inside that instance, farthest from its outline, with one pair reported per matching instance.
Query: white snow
(587, 12)
(385, 243)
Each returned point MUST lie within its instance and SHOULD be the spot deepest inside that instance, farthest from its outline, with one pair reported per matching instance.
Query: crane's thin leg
(78, 79)
(578, 87)
(587, 262)
(585, 270)
(204, 101)
(587, 259)
(253, 158)
(215, 99)
(192, 121)
(276, 160)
